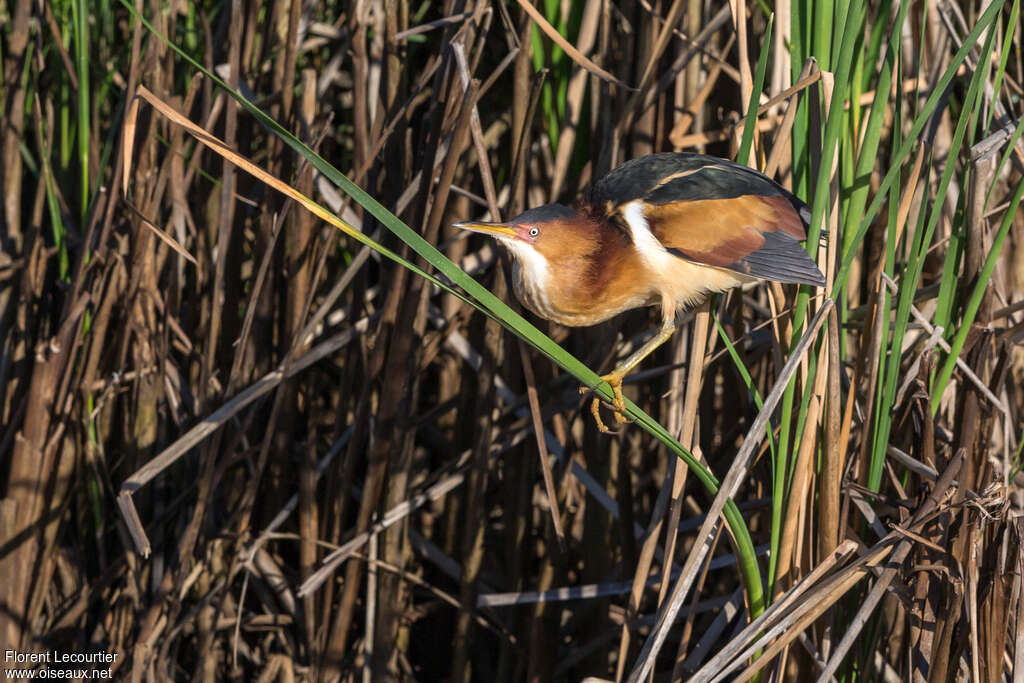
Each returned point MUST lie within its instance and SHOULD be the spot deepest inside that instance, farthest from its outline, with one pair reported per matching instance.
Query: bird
(664, 230)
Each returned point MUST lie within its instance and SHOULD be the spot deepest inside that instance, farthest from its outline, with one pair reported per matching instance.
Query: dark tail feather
(781, 259)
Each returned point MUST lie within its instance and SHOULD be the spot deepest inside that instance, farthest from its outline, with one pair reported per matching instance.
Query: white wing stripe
(651, 250)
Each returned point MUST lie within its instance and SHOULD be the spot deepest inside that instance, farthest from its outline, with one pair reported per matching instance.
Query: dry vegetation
(237, 443)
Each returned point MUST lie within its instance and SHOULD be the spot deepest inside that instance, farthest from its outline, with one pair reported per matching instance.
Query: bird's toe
(595, 410)
(617, 405)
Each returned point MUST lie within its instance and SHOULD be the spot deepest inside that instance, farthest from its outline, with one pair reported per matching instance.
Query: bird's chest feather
(578, 291)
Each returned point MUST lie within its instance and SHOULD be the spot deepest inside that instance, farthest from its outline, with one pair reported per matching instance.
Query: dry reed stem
(726, 490)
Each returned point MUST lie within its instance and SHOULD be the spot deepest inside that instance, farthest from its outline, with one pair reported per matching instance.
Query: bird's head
(552, 232)
(562, 259)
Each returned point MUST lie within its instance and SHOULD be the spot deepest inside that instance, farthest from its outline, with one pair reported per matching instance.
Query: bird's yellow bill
(495, 229)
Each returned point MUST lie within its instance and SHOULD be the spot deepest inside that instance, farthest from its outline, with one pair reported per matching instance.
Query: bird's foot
(618, 404)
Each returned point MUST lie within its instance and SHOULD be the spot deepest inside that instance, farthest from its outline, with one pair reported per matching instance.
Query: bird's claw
(617, 406)
(595, 410)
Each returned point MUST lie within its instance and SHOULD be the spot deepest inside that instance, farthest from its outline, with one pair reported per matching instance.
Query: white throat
(530, 278)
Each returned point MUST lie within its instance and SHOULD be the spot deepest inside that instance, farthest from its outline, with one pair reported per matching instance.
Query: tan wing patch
(722, 232)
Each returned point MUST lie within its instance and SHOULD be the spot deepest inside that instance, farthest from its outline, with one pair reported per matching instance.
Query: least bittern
(663, 230)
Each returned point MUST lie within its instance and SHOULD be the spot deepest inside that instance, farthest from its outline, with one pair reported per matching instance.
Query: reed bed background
(260, 420)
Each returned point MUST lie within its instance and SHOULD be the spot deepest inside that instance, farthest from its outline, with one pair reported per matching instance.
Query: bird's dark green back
(678, 176)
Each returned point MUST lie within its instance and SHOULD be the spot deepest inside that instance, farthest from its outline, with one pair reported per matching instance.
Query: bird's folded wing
(752, 234)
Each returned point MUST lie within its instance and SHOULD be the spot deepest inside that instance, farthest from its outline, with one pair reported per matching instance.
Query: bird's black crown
(543, 214)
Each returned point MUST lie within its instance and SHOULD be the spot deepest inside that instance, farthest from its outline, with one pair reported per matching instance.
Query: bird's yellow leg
(615, 377)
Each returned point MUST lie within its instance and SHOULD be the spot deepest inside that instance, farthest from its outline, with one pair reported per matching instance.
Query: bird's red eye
(534, 231)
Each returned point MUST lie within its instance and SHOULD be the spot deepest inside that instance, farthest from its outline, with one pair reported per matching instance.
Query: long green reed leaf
(819, 206)
(750, 123)
(971, 310)
(986, 20)
(484, 300)
(914, 268)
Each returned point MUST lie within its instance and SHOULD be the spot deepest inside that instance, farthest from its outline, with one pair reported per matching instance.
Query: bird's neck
(569, 285)
(531, 277)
